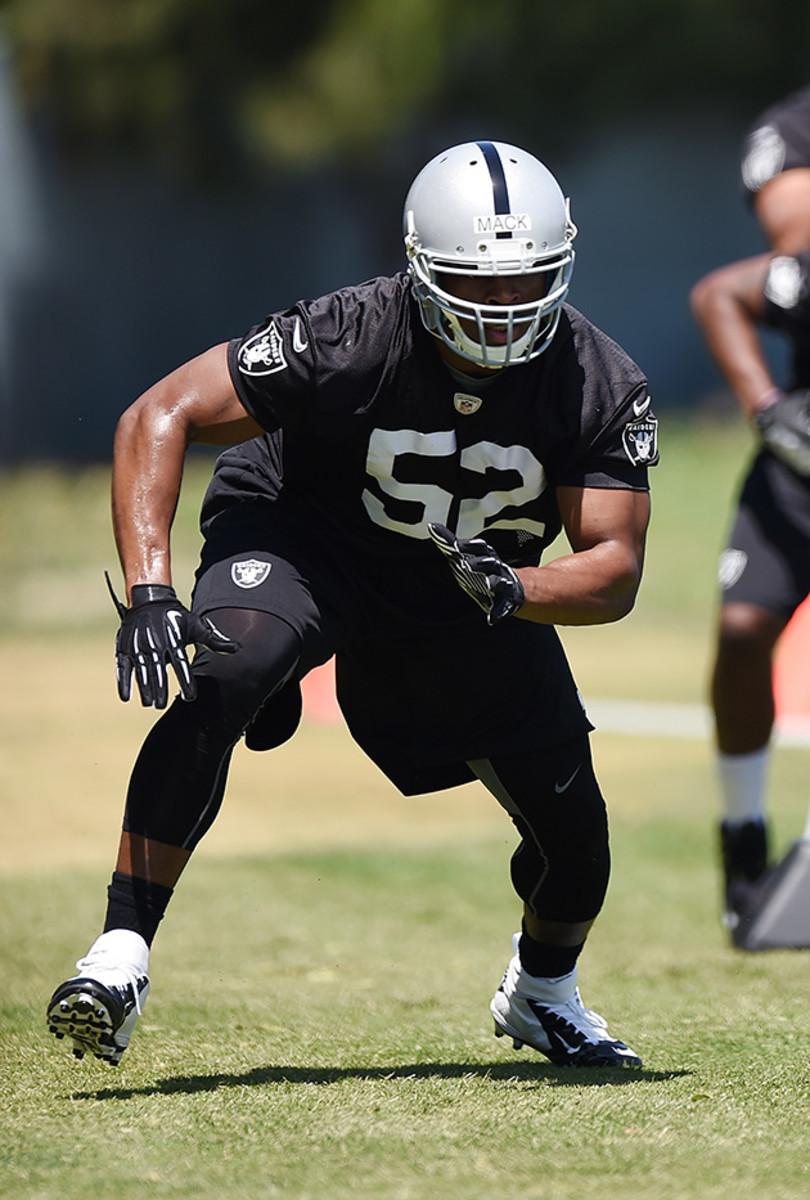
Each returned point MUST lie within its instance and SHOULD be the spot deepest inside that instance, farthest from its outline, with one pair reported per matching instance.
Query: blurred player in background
(406, 449)
(765, 569)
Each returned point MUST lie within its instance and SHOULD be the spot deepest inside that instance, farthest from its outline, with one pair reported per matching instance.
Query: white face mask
(495, 335)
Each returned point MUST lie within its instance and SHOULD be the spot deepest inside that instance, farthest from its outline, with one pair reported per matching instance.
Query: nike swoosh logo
(641, 406)
(173, 619)
(559, 788)
(299, 341)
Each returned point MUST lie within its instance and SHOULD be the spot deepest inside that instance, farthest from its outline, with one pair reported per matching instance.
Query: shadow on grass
(542, 1074)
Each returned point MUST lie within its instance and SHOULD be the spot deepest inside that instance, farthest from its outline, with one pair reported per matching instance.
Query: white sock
(742, 785)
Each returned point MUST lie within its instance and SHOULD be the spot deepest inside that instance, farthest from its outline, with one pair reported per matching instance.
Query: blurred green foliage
(213, 87)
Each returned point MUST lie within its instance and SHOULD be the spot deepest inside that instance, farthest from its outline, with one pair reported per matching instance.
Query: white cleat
(549, 1016)
(98, 1008)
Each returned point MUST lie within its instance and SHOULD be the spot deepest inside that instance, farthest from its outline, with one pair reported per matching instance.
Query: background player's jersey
(379, 437)
(787, 308)
(778, 140)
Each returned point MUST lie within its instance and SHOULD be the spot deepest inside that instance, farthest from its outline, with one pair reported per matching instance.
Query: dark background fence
(174, 169)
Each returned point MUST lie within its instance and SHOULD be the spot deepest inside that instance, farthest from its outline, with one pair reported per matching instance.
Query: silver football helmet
(487, 208)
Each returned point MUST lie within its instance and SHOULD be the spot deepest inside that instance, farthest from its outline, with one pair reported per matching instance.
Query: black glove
(481, 572)
(155, 632)
(784, 427)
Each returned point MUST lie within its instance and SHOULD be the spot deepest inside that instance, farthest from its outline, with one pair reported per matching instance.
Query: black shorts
(420, 705)
(767, 557)
(423, 709)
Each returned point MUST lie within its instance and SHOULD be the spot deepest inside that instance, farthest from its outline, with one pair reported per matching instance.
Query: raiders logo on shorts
(250, 573)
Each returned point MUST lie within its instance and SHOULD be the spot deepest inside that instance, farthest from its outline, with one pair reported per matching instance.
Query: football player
(403, 451)
(764, 571)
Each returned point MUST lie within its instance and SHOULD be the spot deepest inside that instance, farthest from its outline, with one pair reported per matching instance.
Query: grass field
(318, 1026)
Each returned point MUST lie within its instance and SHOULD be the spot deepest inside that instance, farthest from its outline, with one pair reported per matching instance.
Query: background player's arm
(195, 403)
(598, 582)
(727, 305)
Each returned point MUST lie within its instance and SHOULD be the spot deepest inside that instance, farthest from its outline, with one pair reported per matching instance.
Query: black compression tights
(562, 864)
(178, 781)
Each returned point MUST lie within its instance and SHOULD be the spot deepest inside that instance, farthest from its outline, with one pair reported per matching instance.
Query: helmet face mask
(486, 210)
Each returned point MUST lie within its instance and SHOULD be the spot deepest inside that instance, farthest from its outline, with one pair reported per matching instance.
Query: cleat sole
(83, 1013)
(606, 1055)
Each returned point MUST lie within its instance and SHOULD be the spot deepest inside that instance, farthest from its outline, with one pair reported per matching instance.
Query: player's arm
(599, 580)
(727, 305)
(596, 583)
(195, 403)
(782, 206)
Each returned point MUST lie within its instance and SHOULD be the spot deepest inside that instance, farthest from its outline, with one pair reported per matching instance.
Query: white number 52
(432, 502)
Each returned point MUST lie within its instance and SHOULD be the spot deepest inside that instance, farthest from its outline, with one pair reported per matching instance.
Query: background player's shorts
(767, 558)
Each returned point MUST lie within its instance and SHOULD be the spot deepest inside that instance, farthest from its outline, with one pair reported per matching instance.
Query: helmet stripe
(500, 192)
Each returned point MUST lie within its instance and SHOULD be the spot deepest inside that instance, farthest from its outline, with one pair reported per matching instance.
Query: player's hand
(481, 573)
(784, 427)
(153, 636)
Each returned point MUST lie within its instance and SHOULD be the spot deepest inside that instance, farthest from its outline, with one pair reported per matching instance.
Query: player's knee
(569, 884)
(745, 629)
(237, 685)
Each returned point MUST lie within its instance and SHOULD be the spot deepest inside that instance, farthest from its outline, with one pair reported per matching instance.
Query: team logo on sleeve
(262, 354)
(640, 438)
(250, 573)
(764, 157)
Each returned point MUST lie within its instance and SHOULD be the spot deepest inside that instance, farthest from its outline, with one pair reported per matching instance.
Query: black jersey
(369, 437)
(778, 140)
(378, 437)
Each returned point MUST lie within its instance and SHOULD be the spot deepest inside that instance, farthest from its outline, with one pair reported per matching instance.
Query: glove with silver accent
(481, 573)
(784, 427)
(153, 635)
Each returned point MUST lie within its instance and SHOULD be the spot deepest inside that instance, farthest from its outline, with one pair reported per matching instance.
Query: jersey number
(432, 502)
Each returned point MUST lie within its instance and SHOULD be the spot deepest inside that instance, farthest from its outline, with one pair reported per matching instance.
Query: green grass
(318, 1026)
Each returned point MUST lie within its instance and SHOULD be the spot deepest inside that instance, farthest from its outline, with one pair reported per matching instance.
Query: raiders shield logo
(730, 568)
(250, 573)
(262, 354)
(640, 440)
(764, 157)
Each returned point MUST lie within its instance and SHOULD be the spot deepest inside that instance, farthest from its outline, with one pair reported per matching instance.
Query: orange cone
(791, 670)
(318, 690)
